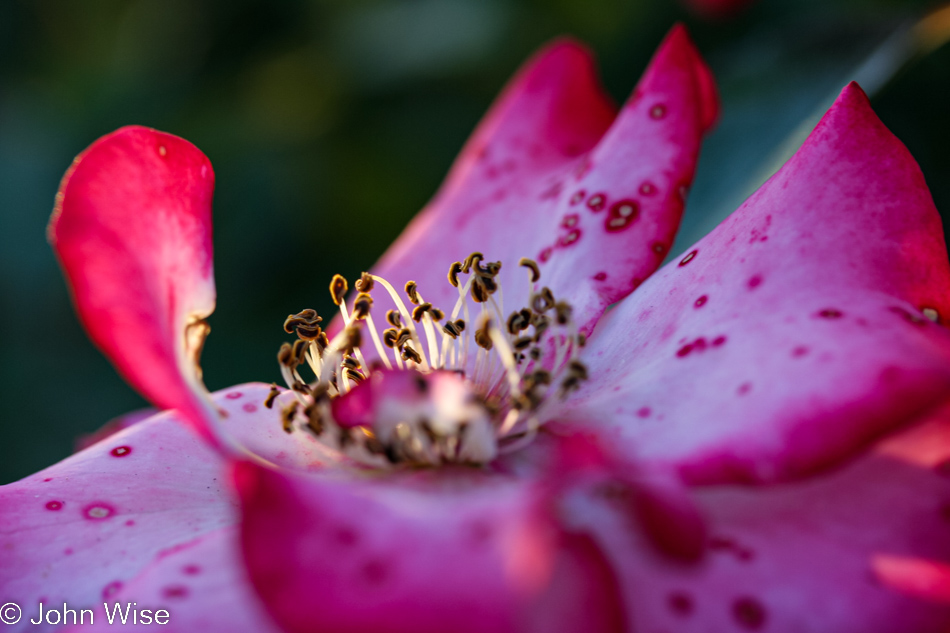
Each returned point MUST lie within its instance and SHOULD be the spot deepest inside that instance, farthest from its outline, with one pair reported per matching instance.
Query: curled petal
(795, 333)
(132, 230)
(461, 551)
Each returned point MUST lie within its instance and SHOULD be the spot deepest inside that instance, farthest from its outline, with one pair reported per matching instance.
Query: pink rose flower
(755, 438)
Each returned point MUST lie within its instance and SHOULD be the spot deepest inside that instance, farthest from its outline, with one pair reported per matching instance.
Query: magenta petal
(86, 527)
(426, 552)
(132, 229)
(202, 585)
(81, 529)
(552, 174)
(860, 549)
(793, 334)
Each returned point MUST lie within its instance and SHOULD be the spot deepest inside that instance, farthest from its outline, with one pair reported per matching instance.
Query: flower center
(457, 386)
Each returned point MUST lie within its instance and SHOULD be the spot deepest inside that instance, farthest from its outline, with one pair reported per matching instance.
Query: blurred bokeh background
(322, 117)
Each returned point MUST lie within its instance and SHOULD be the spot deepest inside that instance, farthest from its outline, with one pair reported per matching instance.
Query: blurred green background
(321, 117)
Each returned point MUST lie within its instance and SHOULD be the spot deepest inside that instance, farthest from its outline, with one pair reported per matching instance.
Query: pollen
(484, 382)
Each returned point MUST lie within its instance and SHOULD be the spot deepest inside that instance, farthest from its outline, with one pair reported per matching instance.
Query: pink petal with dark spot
(83, 529)
(218, 599)
(827, 351)
(860, 549)
(454, 550)
(552, 138)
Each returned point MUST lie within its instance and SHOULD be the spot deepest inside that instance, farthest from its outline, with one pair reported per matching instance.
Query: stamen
(506, 384)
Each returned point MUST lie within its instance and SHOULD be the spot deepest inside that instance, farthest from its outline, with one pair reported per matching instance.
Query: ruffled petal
(457, 550)
(132, 230)
(80, 530)
(553, 174)
(797, 331)
(863, 548)
(201, 585)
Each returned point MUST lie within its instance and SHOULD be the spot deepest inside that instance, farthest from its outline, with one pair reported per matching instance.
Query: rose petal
(202, 586)
(132, 229)
(455, 550)
(81, 529)
(863, 548)
(794, 333)
(550, 168)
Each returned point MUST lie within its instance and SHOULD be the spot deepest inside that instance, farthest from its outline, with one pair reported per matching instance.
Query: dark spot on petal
(191, 570)
(755, 281)
(658, 111)
(690, 256)
(346, 536)
(597, 202)
(234, 395)
(130, 522)
(622, 214)
(749, 613)
(578, 197)
(644, 412)
(659, 248)
(98, 511)
(479, 532)
(570, 220)
(545, 255)
(375, 572)
(744, 388)
(54, 505)
(830, 313)
(120, 451)
(572, 236)
(685, 350)
(250, 407)
(647, 189)
(601, 276)
(175, 592)
(799, 351)
(681, 603)
(111, 589)
(701, 301)
(48, 479)
(719, 340)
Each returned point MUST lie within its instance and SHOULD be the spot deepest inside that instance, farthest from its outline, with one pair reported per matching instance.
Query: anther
(393, 318)
(483, 336)
(471, 260)
(350, 363)
(353, 338)
(522, 343)
(305, 324)
(287, 415)
(362, 305)
(563, 311)
(450, 329)
(299, 351)
(479, 291)
(300, 387)
(577, 368)
(454, 271)
(338, 288)
(420, 310)
(412, 292)
(436, 314)
(314, 419)
(271, 396)
(365, 283)
(542, 301)
(285, 355)
(410, 354)
(402, 337)
(355, 376)
(531, 265)
(581, 339)
(389, 337)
